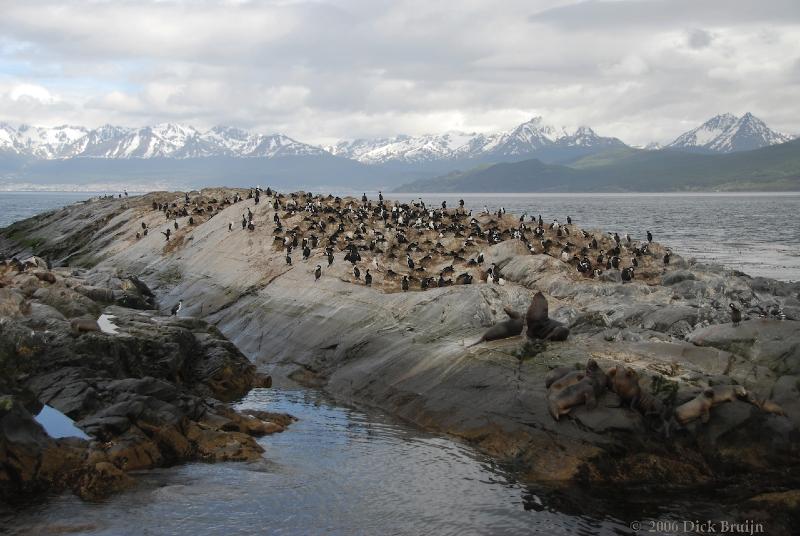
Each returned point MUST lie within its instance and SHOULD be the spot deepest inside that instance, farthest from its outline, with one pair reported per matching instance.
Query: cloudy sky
(324, 70)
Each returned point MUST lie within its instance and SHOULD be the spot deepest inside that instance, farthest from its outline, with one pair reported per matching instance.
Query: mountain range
(184, 156)
(723, 133)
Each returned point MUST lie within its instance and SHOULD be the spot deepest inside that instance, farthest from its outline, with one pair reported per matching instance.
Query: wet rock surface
(149, 390)
(408, 352)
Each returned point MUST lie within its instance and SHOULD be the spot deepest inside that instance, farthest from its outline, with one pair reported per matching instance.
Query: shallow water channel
(344, 471)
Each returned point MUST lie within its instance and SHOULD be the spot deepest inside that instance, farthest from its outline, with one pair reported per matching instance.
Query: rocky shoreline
(149, 390)
(408, 353)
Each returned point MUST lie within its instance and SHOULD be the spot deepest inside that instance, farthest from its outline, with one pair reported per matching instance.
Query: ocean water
(341, 471)
(20, 205)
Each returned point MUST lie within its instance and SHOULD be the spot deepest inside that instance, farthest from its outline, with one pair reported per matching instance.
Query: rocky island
(673, 375)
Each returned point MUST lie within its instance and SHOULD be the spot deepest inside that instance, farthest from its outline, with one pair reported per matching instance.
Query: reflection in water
(339, 471)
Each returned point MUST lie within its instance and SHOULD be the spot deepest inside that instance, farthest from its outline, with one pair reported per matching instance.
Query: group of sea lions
(568, 388)
(540, 325)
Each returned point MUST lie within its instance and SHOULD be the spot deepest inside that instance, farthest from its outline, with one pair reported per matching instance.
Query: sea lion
(769, 406)
(571, 378)
(698, 407)
(597, 376)
(47, 277)
(579, 393)
(81, 325)
(503, 330)
(624, 381)
(556, 374)
(540, 326)
(727, 393)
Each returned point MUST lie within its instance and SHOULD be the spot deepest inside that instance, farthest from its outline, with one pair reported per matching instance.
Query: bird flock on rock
(410, 246)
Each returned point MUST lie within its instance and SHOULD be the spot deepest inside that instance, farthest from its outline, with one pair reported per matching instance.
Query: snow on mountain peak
(727, 133)
(164, 140)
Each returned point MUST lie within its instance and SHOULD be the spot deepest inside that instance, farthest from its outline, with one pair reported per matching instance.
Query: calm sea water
(20, 205)
(340, 471)
(756, 233)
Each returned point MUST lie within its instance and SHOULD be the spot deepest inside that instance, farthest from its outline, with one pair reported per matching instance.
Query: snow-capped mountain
(727, 133)
(166, 140)
(525, 139)
(38, 141)
(532, 139)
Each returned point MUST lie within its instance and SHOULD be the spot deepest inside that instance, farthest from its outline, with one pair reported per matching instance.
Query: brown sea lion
(769, 406)
(580, 393)
(597, 376)
(540, 325)
(47, 277)
(625, 382)
(728, 393)
(570, 378)
(698, 407)
(503, 330)
(556, 373)
(80, 325)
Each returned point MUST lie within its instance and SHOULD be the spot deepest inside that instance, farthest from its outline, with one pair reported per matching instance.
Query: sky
(325, 70)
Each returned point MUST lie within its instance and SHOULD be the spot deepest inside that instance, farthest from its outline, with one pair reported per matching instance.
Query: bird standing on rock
(736, 315)
(368, 278)
(627, 274)
(404, 283)
(176, 308)
(317, 273)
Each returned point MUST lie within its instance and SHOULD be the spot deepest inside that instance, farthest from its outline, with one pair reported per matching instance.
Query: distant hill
(771, 168)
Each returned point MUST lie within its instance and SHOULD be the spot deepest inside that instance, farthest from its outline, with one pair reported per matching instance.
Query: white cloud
(319, 71)
(31, 92)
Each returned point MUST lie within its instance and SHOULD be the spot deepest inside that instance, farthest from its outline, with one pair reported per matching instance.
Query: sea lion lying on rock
(47, 277)
(597, 376)
(503, 330)
(576, 388)
(624, 381)
(555, 374)
(540, 326)
(697, 408)
(728, 393)
(570, 378)
(579, 393)
(769, 406)
(81, 325)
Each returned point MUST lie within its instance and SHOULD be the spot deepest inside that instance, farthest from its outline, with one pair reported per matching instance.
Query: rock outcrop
(148, 389)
